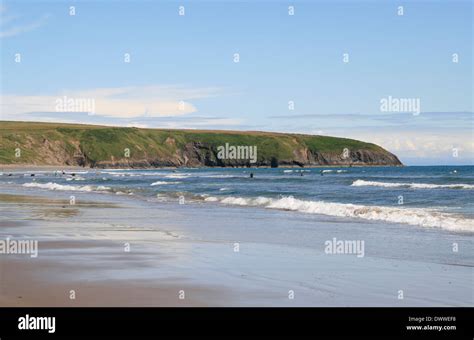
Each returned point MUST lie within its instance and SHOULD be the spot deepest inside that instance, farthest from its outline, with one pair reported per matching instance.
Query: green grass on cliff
(102, 143)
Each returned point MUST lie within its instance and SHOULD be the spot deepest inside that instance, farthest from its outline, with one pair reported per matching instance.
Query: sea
(439, 197)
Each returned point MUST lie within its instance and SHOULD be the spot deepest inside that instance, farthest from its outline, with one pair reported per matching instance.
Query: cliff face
(107, 147)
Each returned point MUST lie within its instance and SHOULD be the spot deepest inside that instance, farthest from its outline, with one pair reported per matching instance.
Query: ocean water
(424, 197)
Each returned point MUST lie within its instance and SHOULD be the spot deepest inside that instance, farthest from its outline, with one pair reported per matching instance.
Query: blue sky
(182, 72)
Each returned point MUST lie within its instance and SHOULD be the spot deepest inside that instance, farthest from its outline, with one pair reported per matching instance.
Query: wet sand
(52, 280)
(32, 284)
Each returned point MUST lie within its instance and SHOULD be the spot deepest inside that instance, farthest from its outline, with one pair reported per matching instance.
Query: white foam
(412, 216)
(288, 171)
(178, 176)
(132, 174)
(56, 186)
(166, 174)
(117, 174)
(75, 179)
(360, 182)
(217, 176)
(124, 193)
(163, 183)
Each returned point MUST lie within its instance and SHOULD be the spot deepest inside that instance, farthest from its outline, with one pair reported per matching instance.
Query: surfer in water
(251, 175)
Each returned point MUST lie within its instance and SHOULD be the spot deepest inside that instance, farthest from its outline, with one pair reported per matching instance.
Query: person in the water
(251, 175)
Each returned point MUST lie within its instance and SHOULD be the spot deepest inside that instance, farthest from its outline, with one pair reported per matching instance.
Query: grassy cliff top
(103, 143)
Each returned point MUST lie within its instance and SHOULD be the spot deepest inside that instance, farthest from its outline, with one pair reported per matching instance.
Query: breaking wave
(329, 171)
(178, 176)
(412, 216)
(163, 183)
(55, 186)
(360, 183)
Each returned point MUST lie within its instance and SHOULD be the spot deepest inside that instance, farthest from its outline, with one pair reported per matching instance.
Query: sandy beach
(66, 266)
(114, 251)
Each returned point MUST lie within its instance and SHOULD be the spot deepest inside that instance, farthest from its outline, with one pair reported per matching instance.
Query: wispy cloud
(118, 102)
(429, 135)
(11, 27)
(421, 145)
(393, 117)
(190, 121)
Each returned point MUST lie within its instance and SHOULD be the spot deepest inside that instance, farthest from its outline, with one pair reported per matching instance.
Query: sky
(313, 67)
